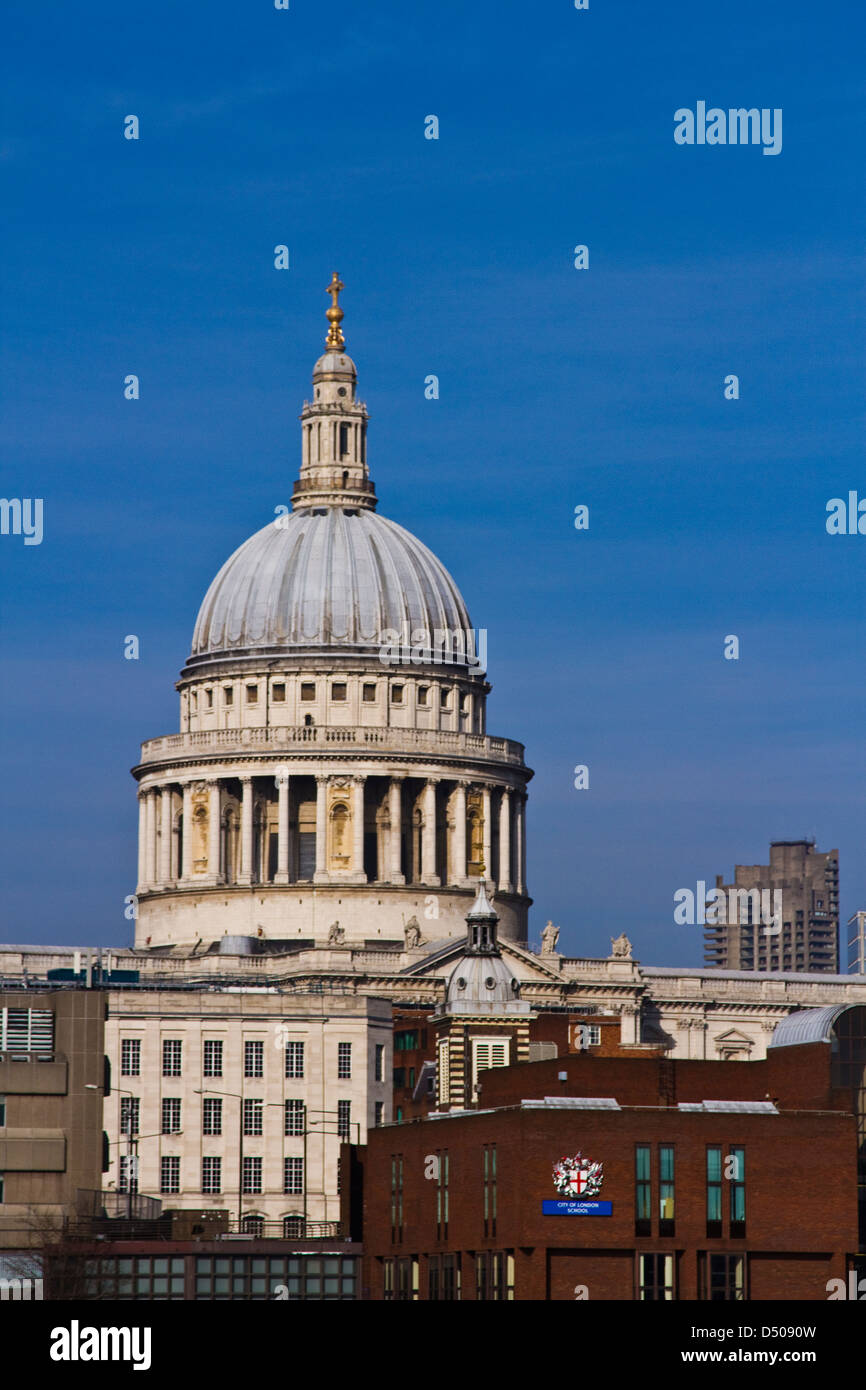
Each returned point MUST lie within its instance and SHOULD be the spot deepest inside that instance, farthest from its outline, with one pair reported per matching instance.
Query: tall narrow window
(172, 1049)
(488, 1178)
(295, 1060)
(169, 1175)
(130, 1057)
(396, 1198)
(213, 1057)
(253, 1113)
(212, 1115)
(254, 1059)
(442, 1201)
(714, 1192)
(737, 1180)
(443, 1073)
(666, 1190)
(211, 1175)
(642, 1191)
(723, 1278)
(295, 1113)
(129, 1108)
(379, 1071)
(252, 1175)
(344, 1061)
(293, 1176)
(344, 1118)
(171, 1115)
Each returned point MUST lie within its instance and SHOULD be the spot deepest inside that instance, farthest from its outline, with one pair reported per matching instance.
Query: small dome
(329, 579)
(335, 364)
(480, 980)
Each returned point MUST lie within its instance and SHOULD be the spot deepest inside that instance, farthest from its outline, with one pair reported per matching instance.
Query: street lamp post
(235, 1096)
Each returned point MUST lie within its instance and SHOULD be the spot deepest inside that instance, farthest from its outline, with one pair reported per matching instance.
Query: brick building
(718, 1180)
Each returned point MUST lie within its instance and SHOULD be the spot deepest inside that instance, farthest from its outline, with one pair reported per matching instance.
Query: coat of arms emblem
(577, 1177)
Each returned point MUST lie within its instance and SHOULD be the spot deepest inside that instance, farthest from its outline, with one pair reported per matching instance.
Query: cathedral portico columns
(282, 874)
(164, 876)
(186, 841)
(505, 842)
(142, 839)
(395, 833)
(358, 829)
(214, 812)
(428, 835)
(245, 877)
(321, 875)
(458, 837)
(150, 838)
(487, 834)
(520, 837)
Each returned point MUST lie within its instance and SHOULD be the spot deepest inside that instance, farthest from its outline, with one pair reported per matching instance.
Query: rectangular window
(714, 1192)
(450, 1278)
(130, 1057)
(254, 1059)
(228, 695)
(666, 1190)
(442, 1195)
(208, 695)
(655, 1277)
(252, 694)
(338, 691)
(406, 1040)
(737, 1187)
(253, 1112)
(128, 1174)
(171, 1056)
(642, 1191)
(723, 1278)
(129, 1108)
(252, 1175)
(169, 1175)
(213, 1057)
(488, 1181)
(396, 1198)
(295, 1060)
(396, 694)
(494, 1276)
(295, 1113)
(278, 692)
(212, 1115)
(379, 1068)
(423, 693)
(211, 1175)
(378, 1113)
(487, 1053)
(2, 1111)
(368, 694)
(308, 690)
(293, 1176)
(444, 697)
(171, 1115)
(344, 1118)
(344, 1061)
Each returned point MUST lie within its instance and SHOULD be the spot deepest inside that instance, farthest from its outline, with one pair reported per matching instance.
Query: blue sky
(558, 387)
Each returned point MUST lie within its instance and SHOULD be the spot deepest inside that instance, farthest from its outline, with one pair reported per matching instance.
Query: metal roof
(571, 1103)
(807, 1025)
(728, 1107)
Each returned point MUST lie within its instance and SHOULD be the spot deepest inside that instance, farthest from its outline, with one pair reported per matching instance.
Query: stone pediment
(526, 967)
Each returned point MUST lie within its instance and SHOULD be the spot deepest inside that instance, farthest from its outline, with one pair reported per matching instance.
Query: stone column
(520, 836)
(428, 835)
(164, 874)
(186, 850)
(321, 875)
(358, 828)
(150, 838)
(505, 842)
(142, 840)
(395, 810)
(282, 875)
(487, 835)
(245, 877)
(213, 826)
(459, 836)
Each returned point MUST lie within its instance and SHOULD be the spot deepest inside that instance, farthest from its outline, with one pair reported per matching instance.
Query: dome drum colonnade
(389, 781)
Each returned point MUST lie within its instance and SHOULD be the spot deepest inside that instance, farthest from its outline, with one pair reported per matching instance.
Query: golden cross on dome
(335, 341)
